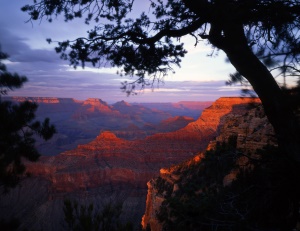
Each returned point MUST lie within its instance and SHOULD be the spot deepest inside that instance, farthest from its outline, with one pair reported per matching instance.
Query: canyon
(80, 121)
(113, 167)
(252, 132)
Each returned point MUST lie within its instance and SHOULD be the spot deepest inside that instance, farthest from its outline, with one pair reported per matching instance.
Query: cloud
(51, 77)
(20, 52)
(48, 75)
(191, 90)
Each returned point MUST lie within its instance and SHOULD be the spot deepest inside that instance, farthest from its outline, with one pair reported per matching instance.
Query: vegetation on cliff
(242, 182)
(229, 190)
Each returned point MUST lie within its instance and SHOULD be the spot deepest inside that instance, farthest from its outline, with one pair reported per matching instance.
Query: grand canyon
(105, 153)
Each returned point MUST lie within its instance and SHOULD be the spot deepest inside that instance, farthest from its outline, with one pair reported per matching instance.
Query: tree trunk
(234, 43)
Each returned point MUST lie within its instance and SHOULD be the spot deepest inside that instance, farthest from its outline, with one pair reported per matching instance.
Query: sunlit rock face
(213, 116)
(97, 105)
(107, 168)
(112, 160)
(93, 107)
(252, 129)
(113, 168)
(235, 118)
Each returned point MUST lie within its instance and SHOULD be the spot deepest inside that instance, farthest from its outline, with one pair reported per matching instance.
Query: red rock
(109, 159)
(97, 105)
(115, 163)
(228, 117)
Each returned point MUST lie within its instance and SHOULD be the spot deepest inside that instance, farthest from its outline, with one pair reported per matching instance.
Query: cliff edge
(251, 131)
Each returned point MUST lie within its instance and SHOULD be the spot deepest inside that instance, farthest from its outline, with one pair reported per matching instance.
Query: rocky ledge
(251, 130)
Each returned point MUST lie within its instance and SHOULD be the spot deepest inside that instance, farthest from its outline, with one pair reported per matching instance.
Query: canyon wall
(252, 131)
(110, 168)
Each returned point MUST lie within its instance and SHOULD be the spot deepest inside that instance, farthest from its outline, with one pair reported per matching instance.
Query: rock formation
(80, 122)
(98, 105)
(112, 168)
(250, 126)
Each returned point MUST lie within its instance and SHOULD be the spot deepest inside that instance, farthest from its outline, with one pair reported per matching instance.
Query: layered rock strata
(252, 130)
(111, 168)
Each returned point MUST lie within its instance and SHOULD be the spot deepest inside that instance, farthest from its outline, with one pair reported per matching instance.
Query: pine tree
(17, 129)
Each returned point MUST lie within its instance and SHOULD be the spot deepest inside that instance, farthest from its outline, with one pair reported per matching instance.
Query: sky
(200, 78)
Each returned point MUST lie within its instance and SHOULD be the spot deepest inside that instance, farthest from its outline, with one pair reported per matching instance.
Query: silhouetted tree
(250, 32)
(17, 129)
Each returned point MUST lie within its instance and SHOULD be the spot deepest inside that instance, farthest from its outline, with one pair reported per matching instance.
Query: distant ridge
(182, 108)
(42, 99)
(122, 103)
(80, 121)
